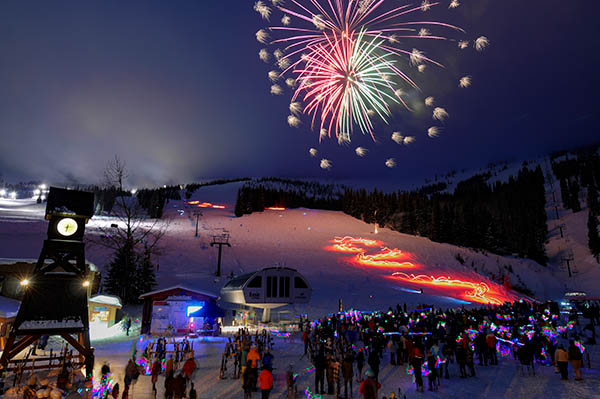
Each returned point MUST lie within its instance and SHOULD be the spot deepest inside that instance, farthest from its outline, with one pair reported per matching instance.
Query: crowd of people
(428, 340)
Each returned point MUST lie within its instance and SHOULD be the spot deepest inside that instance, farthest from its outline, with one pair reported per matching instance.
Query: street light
(13, 195)
(24, 283)
(2, 193)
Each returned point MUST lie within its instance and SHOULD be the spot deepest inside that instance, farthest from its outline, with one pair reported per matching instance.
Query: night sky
(176, 89)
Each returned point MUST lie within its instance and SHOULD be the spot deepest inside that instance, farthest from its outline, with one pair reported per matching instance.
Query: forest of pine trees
(575, 172)
(505, 218)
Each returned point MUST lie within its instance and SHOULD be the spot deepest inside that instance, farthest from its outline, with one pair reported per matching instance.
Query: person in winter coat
(247, 384)
(320, 364)
(169, 385)
(306, 340)
(170, 365)
(188, 368)
(267, 360)
(416, 362)
(252, 361)
(335, 372)
(374, 363)
(561, 358)
(244, 362)
(360, 362)
(179, 387)
(470, 361)
(265, 382)
(575, 358)
(348, 372)
(393, 352)
(491, 341)
(369, 387)
(156, 369)
(461, 359)
(433, 371)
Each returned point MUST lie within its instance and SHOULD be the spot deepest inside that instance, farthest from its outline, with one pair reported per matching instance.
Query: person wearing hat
(369, 387)
(265, 382)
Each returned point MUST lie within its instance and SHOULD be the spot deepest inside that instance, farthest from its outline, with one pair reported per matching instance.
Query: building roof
(178, 287)
(239, 281)
(9, 307)
(106, 300)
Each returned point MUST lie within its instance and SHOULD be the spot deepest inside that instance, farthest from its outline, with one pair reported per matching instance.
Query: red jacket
(491, 340)
(368, 389)
(265, 379)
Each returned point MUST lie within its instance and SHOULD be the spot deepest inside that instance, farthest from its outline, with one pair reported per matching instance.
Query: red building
(178, 310)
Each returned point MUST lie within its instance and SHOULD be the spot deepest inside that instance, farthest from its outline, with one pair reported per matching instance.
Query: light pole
(197, 214)
(220, 241)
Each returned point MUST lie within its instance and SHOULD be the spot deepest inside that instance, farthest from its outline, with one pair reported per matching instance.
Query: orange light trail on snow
(206, 205)
(275, 208)
(349, 244)
(386, 258)
(480, 293)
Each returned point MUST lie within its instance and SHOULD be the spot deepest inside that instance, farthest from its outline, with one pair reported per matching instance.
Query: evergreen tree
(575, 205)
(146, 278)
(593, 238)
(122, 272)
(565, 194)
(592, 200)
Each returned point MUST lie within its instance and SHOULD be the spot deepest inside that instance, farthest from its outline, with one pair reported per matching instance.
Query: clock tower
(55, 297)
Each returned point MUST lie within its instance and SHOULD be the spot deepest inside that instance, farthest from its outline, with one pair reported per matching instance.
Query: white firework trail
(390, 162)
(440, 114)
(264, 55)
(464, 82)
(424, 32)
(293, 121)
(429, 101)
(286, 20)
(422, 68)
(398, 137)
(262, 36)
(277, 90)
(318, 22)
(313, 152)
(273, 76)
(433, 131)
(416, 57)
(463, 44)
(409, 140)
(296, 108)
(481, 42)
(361, 151)
(291, 82)
(454, 4)
(262, 9)
(278, 54)
(425, 5)
(325, 164)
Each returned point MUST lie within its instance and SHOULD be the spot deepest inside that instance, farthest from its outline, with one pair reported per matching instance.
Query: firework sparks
(429, 101)
(290, 82)
(361, 151)
(293, 121)
(463, 44)
(481, 43)
(263, 54)
(262, 9)
(313, 152)
(454, 4)
(276, 90)
(295, 108)
(262, 36)
(325, 164)
(433, 131)
(409, 140)
(390, 162)
(465, 81)
(398, 137)
(440, 114)
(344, 57)
(273, 76)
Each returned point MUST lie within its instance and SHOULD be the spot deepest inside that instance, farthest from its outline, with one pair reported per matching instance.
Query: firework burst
(361, 151)
(326, 164)
(390, 163)
(345, 57)
(464, 82)
(481, 43)
(433, 131)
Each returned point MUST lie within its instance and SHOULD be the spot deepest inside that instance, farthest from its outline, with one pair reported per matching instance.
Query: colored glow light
(386, 258)
(275, 208)
(206, 205)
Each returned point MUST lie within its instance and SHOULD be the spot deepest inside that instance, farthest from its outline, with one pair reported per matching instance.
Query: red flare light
(386, 258)
(206, 205)
(349, 244)
(275, 208)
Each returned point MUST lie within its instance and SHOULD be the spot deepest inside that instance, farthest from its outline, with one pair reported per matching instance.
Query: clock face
(66, 227)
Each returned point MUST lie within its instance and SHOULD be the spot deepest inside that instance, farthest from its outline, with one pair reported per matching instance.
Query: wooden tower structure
(55, 295)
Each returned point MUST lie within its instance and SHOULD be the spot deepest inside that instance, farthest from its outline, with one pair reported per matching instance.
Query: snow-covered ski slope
(303, 239)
